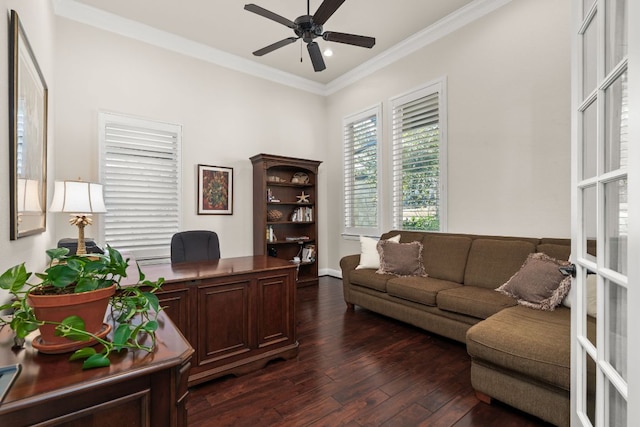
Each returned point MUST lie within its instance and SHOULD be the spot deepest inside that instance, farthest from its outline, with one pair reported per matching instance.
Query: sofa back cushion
(492, 262)
(557, 251)
(445, 256)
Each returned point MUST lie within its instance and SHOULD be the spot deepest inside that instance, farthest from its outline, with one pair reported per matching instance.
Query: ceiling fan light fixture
(308, 27)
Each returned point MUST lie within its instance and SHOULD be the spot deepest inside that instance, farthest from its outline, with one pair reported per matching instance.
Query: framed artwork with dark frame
(28, 98)
(215, 190)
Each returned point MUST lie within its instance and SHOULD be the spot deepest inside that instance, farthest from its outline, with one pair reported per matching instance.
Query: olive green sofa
(519, 355)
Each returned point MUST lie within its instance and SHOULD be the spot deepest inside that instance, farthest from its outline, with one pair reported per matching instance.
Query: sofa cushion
(402, 259)
(533, 342)
(445, 257)
(370, 279)
(492, 262)
(473, 301)
(369, 256)
(539, 283)
(555, 251)
(422, 290)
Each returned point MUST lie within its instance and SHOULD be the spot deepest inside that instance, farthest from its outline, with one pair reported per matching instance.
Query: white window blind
(418, 152)
(140, 172)
(361, 173)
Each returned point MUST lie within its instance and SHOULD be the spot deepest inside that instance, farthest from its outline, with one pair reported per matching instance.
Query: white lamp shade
(77, 197)
(28, 196)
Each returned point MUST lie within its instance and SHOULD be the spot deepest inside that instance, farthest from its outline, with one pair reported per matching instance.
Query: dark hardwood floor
(355, 368)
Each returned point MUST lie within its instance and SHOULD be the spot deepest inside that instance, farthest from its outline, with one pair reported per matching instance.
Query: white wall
(508, 122)
(38, 22)
(508, 84)
(226, 118)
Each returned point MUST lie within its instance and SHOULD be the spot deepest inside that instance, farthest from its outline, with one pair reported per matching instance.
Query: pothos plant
(134, 308)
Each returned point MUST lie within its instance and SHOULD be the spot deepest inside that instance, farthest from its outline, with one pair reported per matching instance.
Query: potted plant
(71, 284)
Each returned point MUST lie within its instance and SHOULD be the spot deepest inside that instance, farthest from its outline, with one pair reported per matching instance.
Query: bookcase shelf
(273, 190)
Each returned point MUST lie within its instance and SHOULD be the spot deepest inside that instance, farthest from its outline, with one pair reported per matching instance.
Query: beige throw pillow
(539, 283)
(401, 259)
(369, 256)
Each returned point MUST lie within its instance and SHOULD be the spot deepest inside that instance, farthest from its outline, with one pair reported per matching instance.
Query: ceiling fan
(308, 27)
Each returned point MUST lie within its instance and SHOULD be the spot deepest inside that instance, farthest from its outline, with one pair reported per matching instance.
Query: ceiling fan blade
(326, 9)
(316, 56)
(269, 15)
(274, 46)
(353, 39)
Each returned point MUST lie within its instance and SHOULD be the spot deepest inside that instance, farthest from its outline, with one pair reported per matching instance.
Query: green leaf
(83, 353)
(14, 278)
(61, 275)
(153, 301)
(57, 253)
(73, 327)
(86, 284)
(151, 326)
(121, 336)
(96, 361)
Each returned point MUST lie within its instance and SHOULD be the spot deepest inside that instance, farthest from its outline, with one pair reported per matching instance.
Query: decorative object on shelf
(308, 253)
(134, 308)
(80, 199)
(28, 137)
(273, 178)
(274, 215)
(303, 198)
(215, 190)
(271, 198)
(300, 178)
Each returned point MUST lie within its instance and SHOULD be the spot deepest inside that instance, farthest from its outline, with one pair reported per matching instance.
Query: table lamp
(80, 199)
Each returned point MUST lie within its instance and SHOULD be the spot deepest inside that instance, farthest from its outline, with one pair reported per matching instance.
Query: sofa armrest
(348, 264)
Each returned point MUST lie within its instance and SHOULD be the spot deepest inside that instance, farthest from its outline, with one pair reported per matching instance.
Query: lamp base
(72, 245)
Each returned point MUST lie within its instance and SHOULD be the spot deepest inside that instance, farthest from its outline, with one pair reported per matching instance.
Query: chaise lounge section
(519, 355)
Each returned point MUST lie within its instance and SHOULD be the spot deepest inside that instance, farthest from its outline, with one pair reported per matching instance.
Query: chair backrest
(194, 245)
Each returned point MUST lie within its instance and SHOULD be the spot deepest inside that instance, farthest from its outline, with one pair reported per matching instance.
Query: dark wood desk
(238, 313)
(138, 389)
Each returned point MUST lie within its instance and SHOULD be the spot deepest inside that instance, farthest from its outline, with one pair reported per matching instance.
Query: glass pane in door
(616, 225)
(616, 327)
(590, 389)
(616, 124)
(589, 141)
(590, 217)
(616, 407)
(616, 32)
(589, 55)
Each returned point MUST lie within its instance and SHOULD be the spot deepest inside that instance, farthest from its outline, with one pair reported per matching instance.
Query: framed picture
(28, 136)
(215, 190)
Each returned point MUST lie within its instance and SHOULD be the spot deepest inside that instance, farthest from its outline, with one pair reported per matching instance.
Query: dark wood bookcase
(283, 225)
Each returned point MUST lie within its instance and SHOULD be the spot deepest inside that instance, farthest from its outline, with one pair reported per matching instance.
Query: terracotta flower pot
(90, 306)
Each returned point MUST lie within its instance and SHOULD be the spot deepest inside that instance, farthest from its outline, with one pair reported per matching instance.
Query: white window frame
(349, 228)
(153, 247)
(438, 86)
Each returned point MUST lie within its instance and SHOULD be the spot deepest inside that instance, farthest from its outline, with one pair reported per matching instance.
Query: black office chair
(194, 245)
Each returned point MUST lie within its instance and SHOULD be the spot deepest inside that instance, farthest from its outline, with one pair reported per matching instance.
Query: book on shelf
(302, 214)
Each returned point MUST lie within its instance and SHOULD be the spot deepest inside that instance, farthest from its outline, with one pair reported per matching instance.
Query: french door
(601, 147)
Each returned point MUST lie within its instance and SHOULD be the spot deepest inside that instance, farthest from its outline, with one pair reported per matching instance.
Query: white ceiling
(225, 26)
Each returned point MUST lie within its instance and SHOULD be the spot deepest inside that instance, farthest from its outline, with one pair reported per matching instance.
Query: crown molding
(107, 21)
(82, 13)
(445, 26)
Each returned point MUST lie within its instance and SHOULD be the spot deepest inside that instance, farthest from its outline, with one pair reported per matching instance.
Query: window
(419, 159)
(361, 172)
(140, 172)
